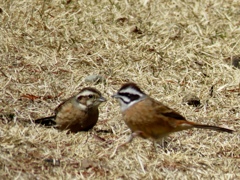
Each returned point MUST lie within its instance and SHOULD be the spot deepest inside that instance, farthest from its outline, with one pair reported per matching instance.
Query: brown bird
(149, 118)
(78, 113)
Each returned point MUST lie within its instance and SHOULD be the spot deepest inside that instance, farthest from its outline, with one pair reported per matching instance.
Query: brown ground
(169, 48)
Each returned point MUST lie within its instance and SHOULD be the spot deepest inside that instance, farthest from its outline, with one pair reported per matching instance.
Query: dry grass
(170, 48)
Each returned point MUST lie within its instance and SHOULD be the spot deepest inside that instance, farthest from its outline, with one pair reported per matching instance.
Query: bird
(77, 113)
(151, 119)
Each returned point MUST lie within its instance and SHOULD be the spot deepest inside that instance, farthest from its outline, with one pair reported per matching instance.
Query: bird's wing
(167, 114)
(162, 109)
(47, 121)
(59, 107)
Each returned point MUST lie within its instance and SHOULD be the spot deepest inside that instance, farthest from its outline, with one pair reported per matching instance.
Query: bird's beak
(102, 99)
(115, 96)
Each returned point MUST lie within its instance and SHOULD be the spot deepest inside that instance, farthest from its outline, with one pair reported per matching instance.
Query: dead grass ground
(170, 48)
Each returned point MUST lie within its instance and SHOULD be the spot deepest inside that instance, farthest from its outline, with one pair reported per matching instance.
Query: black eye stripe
(131, 97)
(87, 96)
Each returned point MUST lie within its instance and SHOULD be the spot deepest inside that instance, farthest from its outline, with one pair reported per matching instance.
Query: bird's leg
(133, 135)
(156, 142)
(155, 145)
(162, 143)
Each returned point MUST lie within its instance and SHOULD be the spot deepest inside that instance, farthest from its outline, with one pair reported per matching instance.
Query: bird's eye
(90, 96)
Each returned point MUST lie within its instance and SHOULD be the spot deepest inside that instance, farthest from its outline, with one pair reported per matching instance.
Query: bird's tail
(215, 128)
(47, 121)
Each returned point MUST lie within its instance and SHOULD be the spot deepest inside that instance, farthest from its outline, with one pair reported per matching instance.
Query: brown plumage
(149, 118)
(78, 113)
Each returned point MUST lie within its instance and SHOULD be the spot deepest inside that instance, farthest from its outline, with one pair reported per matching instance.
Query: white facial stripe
(125, 106)
(125, 101)
(131, 91)
(86, 93)
(81, 106)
